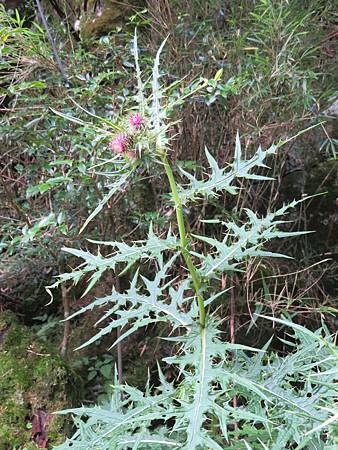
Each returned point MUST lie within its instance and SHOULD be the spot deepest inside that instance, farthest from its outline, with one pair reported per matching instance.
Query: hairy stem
(184, 242)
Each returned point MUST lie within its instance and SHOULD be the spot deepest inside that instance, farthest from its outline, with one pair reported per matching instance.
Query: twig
(51, 40)
(296, 272)
(38, 354)
(21, 213)
(66, 314)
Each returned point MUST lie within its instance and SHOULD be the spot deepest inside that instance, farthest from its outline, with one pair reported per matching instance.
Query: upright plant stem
(118, 329)
(184, 242)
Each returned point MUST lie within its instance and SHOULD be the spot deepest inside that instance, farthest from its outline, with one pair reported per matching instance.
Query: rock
(34, 382)
(102, 17)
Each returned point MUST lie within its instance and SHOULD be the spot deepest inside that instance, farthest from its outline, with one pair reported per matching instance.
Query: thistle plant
(227, 395)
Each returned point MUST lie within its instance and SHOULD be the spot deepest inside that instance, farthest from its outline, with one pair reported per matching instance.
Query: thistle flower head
(119, 143)
(136, 120)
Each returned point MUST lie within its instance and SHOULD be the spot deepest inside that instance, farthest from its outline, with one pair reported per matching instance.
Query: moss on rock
(33, 380)
(100, 18)
(102, 21)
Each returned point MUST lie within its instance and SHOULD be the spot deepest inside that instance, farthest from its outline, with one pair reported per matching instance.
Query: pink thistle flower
(119, 144)
(136, 120)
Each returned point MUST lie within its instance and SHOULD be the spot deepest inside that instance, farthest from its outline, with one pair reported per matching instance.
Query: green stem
(184, 242)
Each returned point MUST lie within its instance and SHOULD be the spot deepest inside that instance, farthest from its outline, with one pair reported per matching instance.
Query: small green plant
(226, 395)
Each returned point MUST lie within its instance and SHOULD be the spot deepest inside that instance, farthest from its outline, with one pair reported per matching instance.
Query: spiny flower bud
(119, 143)
(136, 120)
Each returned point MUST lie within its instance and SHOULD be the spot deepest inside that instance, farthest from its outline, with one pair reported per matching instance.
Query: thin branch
(51, 40)
(66, 313)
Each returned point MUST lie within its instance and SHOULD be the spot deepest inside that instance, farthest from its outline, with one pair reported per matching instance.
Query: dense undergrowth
(265, 69)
